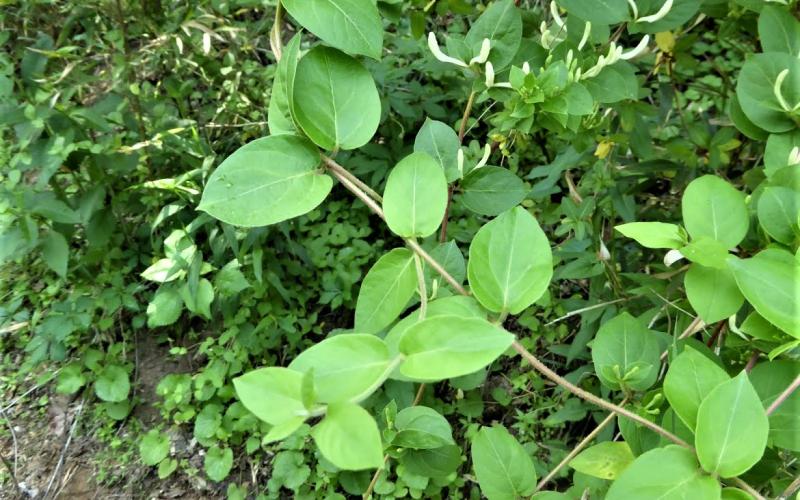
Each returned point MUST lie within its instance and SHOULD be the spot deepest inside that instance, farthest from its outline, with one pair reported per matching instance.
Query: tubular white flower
(587, 30)
(672, 257)
(636, 51)
(526, 67)
(794, 156)
(634, 9)
(487, 150)
(568, 61)
(662, 12)
(776, 89)
(460, 162)
(556, 16)
(489, 81)
(483, 55)
(433, 45)
(547, 37)
(603, 254)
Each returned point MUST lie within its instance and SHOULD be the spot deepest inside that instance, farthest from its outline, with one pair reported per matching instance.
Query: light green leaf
(218, 463)
(163, 271)
(279, 115)
(614, 83)
(501, 23)
(770, 380)
(422, 428)
(734, 494)
(757, 97)
(335, 100)
(732, 428)
(779, 147)
(55, 252)
(154, 447)
(492, 190)
(112, 384)
(70, 379)
(200, 302)
(165, 308)
(443, 347)
(510, 262)
(415, 198)
(504, 469)
(266, 181)
(349, 438)
(353, 26)
(626, 353)
(449, 256)
(605, 460)
(778, 30)
(440, 141)
(654, 234)
(744, 124)
(271, 394)
(345, 366)
(669, 473)
(283, 430)
(690, 378)
(385, 291)
(598, 11)
(438, 462)
(712, 292)
(769, 283)
(706, 252)
(778, 212)
(715, 209)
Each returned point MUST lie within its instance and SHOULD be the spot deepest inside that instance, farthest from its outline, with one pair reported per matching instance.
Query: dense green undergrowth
(528, 217)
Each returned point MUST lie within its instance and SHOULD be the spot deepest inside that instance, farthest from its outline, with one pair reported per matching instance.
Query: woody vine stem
(370, 198)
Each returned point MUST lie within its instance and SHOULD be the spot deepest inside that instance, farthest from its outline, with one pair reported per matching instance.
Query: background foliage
(131, 312)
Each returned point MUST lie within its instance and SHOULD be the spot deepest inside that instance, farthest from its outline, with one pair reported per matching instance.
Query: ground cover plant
(427, 249)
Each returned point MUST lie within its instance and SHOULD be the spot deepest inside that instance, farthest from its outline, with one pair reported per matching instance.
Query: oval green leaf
(266, 181)
(712, 292)
(690, 378)
(501, 23)
(335, 100)
(441, 142)
(732, 428)
(492, 190)
(654, 234)
(422, 428)
(272, 394)
(450, 346)
(626, 353)
(755, 90)
(348, 436)
(770, 380)
(415, 198)
(605, 460)
(504, 470)
(385, 291)
(778, 213)
(713, 208)
(353, 26)
(510, 263)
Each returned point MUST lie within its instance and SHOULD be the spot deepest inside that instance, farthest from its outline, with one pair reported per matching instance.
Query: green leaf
(680, 12)
(448, 346)
(769, 283)
(669, 473)
(743, 123)
(598, 11)
(778, 31)
(335, 100)
(200, 302)
(280, 112)
(422, 428)
(438, 462)
(503, 468)
(154, 447)
(779, 147)
(510, 263)
(778, 212)
(712, 292)
(415, 197)
(755, 90)
(70, 379)
(732, 428)
(440, 141)
(706, 252)
(218, 463)
(345, 366)
(770, 380)
(385, 291)
(449, 256)
(654, 234)
(626, 353)
(615, 83)
(272, 394)
(690, 378)
(167, 467)
(605, 460)
(715, 209)
(349, 438)
(734, 494)
(266, 181)
(353, 26)
(283, 430)
(112, 384)
(55, 252)
(492, 190)
(501, 23)
(165, 308)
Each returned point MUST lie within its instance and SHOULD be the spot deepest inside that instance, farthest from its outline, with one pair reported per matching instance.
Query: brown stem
(751, 363)
(352, 178)
(588, 439)
(794, 486)
(588, 396)
(746, 487)
(465, 117)
(784, 396)
(436, 266)
(368, 494)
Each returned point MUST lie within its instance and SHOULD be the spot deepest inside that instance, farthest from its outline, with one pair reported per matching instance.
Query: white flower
(433, 45)
(637, 50)
(794, 156)
(489, 81)
(460, 162)
(634, 8)
(776, 89)
(672, 257)
(662, 12)
(603, 254)
(487, 150)
(526, 68)
(556, 16)
(483, 55)
(587, 30)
